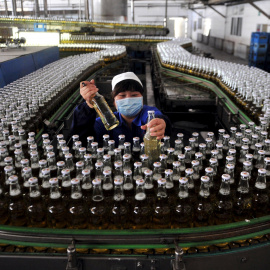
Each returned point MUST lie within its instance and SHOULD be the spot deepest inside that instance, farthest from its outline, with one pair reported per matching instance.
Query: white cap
(125, 76)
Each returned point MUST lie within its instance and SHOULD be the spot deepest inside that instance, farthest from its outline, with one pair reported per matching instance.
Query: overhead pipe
(37, 13)
(132, 10)
(45, 4)
(6, 7)
(86, 9)
(14, 8)
(22, 12)
(166, 11)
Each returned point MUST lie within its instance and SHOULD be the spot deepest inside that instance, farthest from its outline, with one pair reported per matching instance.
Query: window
(194, 26)
(236, 26)
(200, 23)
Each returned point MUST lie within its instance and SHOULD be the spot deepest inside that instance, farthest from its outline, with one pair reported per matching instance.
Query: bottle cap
(218, 146)
(205, 179)
(8, 169)
(229, 158)
(61, 142)
(94, 144)
(248, 163)
(163, 156)
(178, 141)
(136, 138)
(110, 142)
(45, 171)
(262, 171)
(148, 172)
(53, 181)
(213, 161)
(198, 154)
(166, 138)
(244, 147)
(183, 180)
(139, 182)
(232, 152)
(226, 177)
(99, 164)
(27, 169)
(234, 129)
(90, 138)
(42, 162)
(209, 170)
(187, 148)
(107, 157)
(189, 171)
(261, 152)
(170, 150)
(230, 166)
(13, 178)
(168, 172)
(51, 154)
(118, 164)
(245, 140)
(232, 142)
(96, 181)
(106, 136)
(78, 143)
(202, 145)
(176, 164)
(157, 164)
(24, 161)
(126, 156)
(118, 181)
(180, 135)
(267, 159)
(195, 134)
(144, 156)
(100, 150)
(60, 136)
(32, 180)
(249, 156)
(86, 172)
(87, 156)
(162, 181)
(8, 159)
(75, 181)
(137, 164)
(80, 164)
(245, 174)
(106, 172)
(195, 163)
(192, 140)
(122, 136)
(65, 171)
(60, 163)
(181, 156)
(82, 150)
(17, 152)
(75, 137)
(208, 140)
(68, 155)
(127, 172)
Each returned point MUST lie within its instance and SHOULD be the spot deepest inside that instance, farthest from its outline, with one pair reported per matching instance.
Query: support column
(6, 8)
(14, 8)
(37, 13)
(45, 4)
(86, 9)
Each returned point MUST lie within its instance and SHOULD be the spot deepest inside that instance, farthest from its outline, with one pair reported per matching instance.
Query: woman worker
(127, 93)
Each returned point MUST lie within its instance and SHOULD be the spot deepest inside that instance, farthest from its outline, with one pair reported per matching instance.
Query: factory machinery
(195, 100)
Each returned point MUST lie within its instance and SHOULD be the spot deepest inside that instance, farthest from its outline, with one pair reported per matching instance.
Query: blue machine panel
(46, 57)
(17, 68)
(2, 81)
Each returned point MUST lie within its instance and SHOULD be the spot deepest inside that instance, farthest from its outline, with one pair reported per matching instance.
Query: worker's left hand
(157, 127)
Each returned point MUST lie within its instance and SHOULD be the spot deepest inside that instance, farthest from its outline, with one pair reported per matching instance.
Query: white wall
(221, 27)
(156, 15)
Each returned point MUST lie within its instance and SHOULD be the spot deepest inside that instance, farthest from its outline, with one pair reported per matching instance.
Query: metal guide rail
(222, 97)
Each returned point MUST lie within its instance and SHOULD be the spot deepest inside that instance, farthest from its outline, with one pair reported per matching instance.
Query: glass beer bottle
(105, 113)
(151, 143)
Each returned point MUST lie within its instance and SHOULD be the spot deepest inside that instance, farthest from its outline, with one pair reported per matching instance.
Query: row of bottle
(247, 86)
(153, 204)
(26, 102)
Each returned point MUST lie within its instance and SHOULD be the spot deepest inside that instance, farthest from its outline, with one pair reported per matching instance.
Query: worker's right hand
(88, 91)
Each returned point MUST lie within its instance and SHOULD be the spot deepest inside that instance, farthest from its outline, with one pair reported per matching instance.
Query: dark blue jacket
(86, 124)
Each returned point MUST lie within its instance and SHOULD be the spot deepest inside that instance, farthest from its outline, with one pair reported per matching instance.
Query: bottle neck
(118, 193)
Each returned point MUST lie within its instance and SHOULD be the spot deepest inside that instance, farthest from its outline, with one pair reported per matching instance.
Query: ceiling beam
(196, 12)
(259, 9)
(216, 11)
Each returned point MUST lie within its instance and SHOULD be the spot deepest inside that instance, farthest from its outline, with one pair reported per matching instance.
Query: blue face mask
(129, 106)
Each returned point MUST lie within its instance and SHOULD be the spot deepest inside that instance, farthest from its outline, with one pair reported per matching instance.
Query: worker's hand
(88, 91)
(157, 127)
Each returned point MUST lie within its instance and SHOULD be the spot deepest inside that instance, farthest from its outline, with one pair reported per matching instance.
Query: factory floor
(218, 54)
